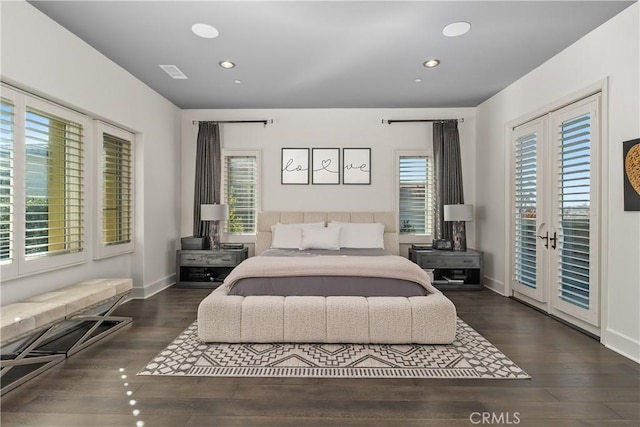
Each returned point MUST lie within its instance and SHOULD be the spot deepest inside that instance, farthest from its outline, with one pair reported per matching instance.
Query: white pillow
(289, 235)
(360, 235)
(320, 238)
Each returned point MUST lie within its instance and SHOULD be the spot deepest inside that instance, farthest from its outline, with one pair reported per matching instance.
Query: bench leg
(30, 354)
(87, 338)
(22, 359)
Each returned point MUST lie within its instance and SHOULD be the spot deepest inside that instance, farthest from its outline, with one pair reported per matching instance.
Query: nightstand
(452, 270)
(207, 268)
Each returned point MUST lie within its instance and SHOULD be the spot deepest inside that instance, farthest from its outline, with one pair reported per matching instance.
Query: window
(42, 164)
(53, 185)
(241, 172)
(115, 203)
(415, 193)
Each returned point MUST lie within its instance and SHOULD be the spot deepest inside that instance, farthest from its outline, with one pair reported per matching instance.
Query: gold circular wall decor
(632, 167)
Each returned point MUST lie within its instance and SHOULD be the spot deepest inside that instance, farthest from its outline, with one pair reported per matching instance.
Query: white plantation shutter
(415, 204)
(240, 176)
(555, 227)
(6, 181)
(525, 203)
(117, 191)
(574, 210)
(53, 185)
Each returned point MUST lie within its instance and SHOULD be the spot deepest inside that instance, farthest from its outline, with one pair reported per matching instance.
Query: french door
(555, 213)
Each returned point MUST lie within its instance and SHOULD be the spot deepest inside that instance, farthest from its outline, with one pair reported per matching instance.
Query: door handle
(554, 240)
(546, 240)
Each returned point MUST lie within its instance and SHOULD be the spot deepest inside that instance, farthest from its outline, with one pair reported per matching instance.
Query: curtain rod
(264, 122)
(420, 120)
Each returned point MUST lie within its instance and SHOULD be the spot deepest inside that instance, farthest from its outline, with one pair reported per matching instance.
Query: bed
(327, 291)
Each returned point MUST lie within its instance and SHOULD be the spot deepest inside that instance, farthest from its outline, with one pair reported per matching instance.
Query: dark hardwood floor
(575, 381)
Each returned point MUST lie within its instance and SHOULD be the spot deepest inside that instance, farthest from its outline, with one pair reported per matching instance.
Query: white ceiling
(330, 54)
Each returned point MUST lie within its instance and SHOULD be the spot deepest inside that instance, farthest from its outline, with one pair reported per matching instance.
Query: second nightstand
(207, 268)
(452, 270)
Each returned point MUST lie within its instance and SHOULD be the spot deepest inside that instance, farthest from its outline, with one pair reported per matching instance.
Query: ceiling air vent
(174, 72)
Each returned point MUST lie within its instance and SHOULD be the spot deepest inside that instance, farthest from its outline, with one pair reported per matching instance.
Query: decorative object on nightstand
(207, 268)
(442, 244)
(458, 214)
(451, 270)
(193, 243)
(214, 214)
(231, 246)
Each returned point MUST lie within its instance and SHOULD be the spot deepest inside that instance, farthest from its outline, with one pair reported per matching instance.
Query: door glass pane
(525, 210)
(6, 182)
(574, 210)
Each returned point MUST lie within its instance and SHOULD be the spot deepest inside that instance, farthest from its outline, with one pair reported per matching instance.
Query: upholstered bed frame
(429, 319)
(267, 219)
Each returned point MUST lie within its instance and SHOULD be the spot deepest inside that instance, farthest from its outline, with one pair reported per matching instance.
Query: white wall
(328, 128)
(40, 56)
(611, 51)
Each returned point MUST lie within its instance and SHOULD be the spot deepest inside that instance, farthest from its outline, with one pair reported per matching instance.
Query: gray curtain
(208, 173)
(447, 174)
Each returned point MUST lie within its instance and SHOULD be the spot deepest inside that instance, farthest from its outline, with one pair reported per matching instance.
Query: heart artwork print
(325, 164)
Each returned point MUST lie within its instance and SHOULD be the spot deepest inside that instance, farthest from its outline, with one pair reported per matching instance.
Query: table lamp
(214, 214)
(458, 214)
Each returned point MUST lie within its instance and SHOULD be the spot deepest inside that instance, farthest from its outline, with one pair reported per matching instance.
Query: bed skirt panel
(427, 319)
(305, 319)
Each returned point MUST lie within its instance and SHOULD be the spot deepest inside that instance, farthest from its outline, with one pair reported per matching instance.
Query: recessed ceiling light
(205, 31)
(431, 63)
(237, 81)
(418, 80)
(456, 29)
(226, 64)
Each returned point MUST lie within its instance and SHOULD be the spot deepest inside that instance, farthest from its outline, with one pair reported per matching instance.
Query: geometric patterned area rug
(470, 356)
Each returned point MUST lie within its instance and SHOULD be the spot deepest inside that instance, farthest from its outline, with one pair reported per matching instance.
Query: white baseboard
(622, 344)
(494, 285)
(151, 289)
(615, 341)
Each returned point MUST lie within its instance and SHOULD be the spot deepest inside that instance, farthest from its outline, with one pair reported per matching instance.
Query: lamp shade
(214, 212)
(458, 212)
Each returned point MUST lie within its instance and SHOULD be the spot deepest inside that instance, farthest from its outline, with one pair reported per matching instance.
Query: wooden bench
(43, 330)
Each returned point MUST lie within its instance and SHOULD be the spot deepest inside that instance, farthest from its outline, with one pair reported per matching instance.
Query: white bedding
(386, 266)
